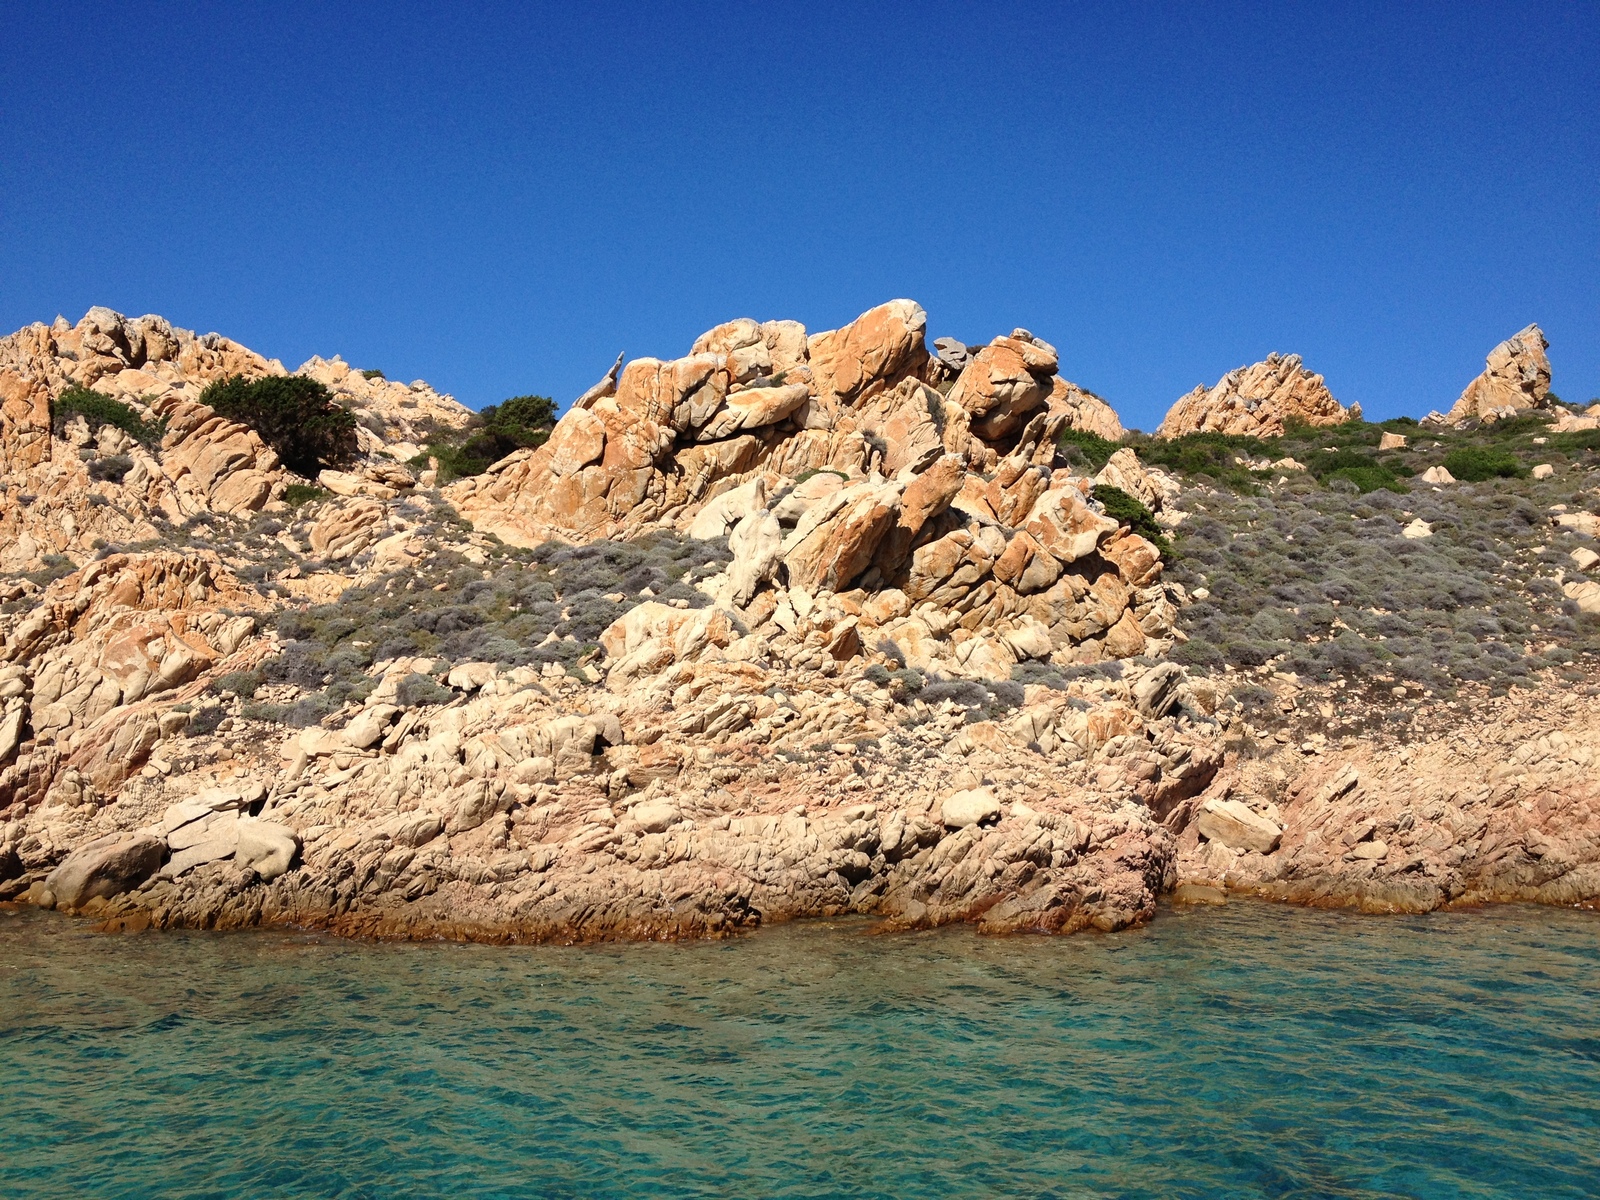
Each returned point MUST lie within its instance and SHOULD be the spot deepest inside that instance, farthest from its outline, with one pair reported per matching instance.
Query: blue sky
(500, 198)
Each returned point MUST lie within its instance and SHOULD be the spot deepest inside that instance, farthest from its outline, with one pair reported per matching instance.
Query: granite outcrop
(919, 672)
(1516, 377)
(1257, 401)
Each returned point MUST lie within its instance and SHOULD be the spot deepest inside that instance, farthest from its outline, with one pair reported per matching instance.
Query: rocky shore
(796, 625)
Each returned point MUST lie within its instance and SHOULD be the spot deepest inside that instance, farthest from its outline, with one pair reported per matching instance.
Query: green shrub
(205, 721)
(1474, 464)
(297, 494)
(1090, 447)
(1214, 455)
(1127, 510)
(240, 683)
(416, 690)
(532, 414)
(522, 422)
(373, 373)
(294, 415)
(97, 409)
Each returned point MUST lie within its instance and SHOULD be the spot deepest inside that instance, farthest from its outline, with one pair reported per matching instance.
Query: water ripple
(1251, 1051)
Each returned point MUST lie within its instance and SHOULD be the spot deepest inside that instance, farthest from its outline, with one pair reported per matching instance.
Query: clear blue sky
(500, 198)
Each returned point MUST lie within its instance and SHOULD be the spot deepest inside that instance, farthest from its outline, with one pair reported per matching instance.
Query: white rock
(469, 677)
(654, 817)
(1585, 558)
(1417, 529)
(268, 848)
(1238, 826)
(1543, 471)
(369, 725)
(1587, 595)
(1437, 475)
(974, 806)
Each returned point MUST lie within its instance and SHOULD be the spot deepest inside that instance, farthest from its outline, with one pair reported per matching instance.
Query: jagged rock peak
(1258, 400)
(1516, 376)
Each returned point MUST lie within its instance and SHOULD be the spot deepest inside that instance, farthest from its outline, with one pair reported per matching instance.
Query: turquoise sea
(1251, 1050)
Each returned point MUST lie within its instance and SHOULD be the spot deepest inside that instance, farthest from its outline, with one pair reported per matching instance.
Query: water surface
(1248, 1051)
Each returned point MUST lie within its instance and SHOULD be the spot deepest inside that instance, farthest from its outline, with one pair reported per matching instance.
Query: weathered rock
(907, 420)
(1516, 376)
(832, 553)
(1064, 524)
(974, 806)
(268, 849)
(871, 354)
(1238, 826)
(1006, 381)
(1080, 409)
(1257, 401)
(105, 867)
(1124, 471)
(1585, 594)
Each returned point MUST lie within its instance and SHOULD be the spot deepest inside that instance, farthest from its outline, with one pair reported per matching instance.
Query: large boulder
(973, 806)
(907, 422)
(105, 867)
(1006, 382)
(1516, 376)
(829, 555)
(1238, 826)
(267, 848)
(1257, 400)
(874, 352)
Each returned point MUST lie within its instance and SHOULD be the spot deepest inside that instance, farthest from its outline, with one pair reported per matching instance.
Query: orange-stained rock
(578, 439)
(1516, 376)
(1137, 560)
(1081, 409)
(1124, 639)
(1015, 488)
(345, 531)
(1006, 381)
(906, 420)
(838, 549)
(924, 498)
(24, 421)
(753, 408)
(1257, 401)
(1124, 471)
(882, 346)
(756, 350)
(1026, 566)
(1064, 524)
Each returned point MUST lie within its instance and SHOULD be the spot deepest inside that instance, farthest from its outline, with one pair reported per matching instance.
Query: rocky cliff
(796, 624)
(1257, 401)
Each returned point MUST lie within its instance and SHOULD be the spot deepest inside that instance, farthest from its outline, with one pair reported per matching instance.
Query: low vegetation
(523, 607)
(1313, 575)
(1130, 511)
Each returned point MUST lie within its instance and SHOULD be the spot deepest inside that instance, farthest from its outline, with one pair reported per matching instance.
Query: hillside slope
(799, 623)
